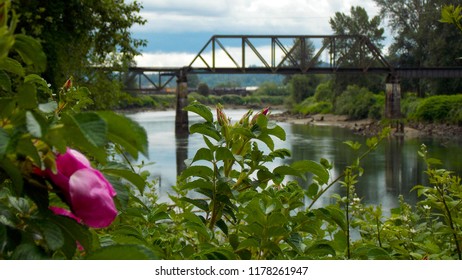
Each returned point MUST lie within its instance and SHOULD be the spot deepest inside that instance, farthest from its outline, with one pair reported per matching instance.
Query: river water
(393, 169)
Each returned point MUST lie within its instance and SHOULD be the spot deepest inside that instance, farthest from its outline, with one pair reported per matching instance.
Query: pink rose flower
(86, 191)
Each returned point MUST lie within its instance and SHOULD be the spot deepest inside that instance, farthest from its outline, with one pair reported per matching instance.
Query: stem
(347, 213)
(119, 150)
(377, 220)
(451, 223)
(319, 194)
(213, 218)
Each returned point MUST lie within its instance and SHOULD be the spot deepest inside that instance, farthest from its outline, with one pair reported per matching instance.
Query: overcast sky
(177, 29)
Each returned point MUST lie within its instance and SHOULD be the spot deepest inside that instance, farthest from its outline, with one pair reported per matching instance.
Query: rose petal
(71, 161)
(91, 198)
(64, 212)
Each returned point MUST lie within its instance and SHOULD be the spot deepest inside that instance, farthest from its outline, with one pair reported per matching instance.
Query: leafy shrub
(271, 89)
(232, 99)
(194, 96)
(311, 106)
(324, 92)
(441, 108)
(354, 102)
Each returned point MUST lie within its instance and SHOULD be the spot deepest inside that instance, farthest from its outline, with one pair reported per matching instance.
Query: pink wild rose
(86, 190)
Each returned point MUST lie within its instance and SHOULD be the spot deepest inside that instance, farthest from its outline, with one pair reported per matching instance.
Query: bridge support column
(181, 118)
(393, 101)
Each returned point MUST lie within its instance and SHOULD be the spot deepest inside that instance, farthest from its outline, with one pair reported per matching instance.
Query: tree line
(78, 34)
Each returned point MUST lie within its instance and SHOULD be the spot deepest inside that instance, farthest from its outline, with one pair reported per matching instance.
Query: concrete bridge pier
(393, 102)
(181, 118)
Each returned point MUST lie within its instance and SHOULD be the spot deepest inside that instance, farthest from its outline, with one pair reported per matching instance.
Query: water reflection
(392, 170)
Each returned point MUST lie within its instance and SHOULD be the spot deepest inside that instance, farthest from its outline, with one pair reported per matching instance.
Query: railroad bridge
(284, 54)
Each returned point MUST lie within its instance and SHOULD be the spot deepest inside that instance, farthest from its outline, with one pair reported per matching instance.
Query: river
(393, 169)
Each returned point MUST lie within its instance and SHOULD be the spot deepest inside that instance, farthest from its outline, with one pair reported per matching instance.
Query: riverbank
(372, 127)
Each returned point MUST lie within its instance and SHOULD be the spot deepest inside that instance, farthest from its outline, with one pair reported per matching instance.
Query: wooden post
(181, 118)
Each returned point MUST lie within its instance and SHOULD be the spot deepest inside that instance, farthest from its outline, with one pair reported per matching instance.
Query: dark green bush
(441, 108)
(355, 102)
(233, 99)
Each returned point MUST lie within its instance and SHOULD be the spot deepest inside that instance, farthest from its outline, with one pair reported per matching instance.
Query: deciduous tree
(76, 34)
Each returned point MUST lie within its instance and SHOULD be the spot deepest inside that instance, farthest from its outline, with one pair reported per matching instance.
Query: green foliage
(453, 15)
(35, 125)
(78, 34)
(302, 87)
(356, 102)
(310, 107)
(203, 89)
(271, 89)
(441, 108)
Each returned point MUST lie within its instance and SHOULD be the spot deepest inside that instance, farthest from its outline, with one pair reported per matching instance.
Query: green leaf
(265, 138)
(51, 233)
(312, 190)
(40, 82)
(33, 126)
(321, 248)
(201, 110)
(205, 129)
(71, 229)
(353, 145)
(223, 226)
(338, 216)
(314, 168)
(14, 173)
(378, 253)
(5, 81)
(286, 170)
(278, 131)
(89, 125)
(123, 252)
(27, 251)
(127, 133)
(197, 171)
(203, 154)
(223, 153)
(128, 175)
(30, 51)
(199, 203)
(4, 142)
(197, 184)
(12, 66)
(27, 96)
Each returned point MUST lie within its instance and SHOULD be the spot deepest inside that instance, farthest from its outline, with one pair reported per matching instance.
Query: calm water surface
(393, 169)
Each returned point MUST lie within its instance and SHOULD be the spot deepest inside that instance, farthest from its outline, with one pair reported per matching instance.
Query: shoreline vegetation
(366, 127)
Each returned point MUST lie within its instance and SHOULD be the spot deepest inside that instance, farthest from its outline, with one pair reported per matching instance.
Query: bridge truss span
(289, 54)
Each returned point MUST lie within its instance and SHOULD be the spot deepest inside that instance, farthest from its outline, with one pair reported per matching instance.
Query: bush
(441, 108)
(232, 99)
(309, 106)
(324, 92)
(198, 97)
(355, 102)
(273, 89)
(203, 89)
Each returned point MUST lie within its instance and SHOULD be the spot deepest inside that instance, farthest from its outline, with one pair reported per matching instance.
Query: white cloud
(164, 59)
(245, 17)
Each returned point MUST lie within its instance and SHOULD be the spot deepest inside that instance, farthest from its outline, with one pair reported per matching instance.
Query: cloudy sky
(178, 29)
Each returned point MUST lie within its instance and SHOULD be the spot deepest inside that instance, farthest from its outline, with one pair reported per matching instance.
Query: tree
(420, 40)
(357, 23)
(77, 34)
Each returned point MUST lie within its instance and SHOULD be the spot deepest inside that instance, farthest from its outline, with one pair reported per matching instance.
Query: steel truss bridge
(283, 54)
